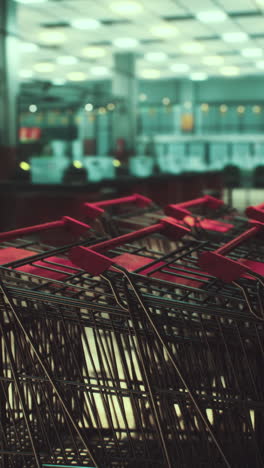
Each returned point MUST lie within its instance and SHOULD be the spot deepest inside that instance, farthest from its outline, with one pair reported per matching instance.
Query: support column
(125, 86)
(8, 87)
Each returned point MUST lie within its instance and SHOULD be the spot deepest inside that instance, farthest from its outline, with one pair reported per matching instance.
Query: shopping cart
(54, 233)
(199, 334)
(208, 217)
(74, 390)
(111, 216)
(256, 212)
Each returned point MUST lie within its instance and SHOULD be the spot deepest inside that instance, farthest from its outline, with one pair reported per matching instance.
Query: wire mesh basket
(208, 217)
(117, 215)
(117, 353)
(72, 390)
(203, 363)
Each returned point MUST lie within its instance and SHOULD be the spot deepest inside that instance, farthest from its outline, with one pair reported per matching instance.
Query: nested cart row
(139, 348)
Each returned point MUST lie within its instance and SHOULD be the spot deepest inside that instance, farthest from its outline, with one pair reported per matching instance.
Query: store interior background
(105, 92)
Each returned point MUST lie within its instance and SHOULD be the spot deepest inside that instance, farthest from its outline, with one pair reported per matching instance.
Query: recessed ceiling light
(230, 71)
(223, 108)
(142, 97)
(28, 47)
(77, 76)
(44, 67)
(126, 7)
(166, 101)
(213, 60)
(125, 42)
(192, 48)
(88, 107)
(180, 67)
(33, 108)
(93, 52)
(156, 56)
(111, 106)
(204, 107)
(164, 30)
(214, 16)
(199, 76)
(150, 73)
(241, 109)
(260, 64)
(52, 37)
(99, 71)
(235, 37)
(252, 52)
(26, 74)
(59, 81)
(66, 60)
(85, 24)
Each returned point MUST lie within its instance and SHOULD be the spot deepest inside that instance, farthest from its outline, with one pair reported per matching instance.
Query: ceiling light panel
(52, 37)
(93, 52)
(156, 57)
(213, 60)
(126, 7)
(254, 52)
(76, 76)
(66, 60)
(150, 73)
(99, 71)
(230, 71)
(164, 30)
(85, 24)
(191, 48)
(199, 76)
(260, 64)
(235, 37)
(211, 16)
(44, 67)
(125, 43)
(28, 47)
(27, 74)
(180, 67)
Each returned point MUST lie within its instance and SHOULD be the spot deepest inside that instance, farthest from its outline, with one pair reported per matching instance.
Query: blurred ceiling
(74, 40)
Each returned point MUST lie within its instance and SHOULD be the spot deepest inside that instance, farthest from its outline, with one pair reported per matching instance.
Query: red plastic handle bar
(93, 210)
(224, 268)
(77, 227)
(91, 259)
(256, 212)
(180, 210)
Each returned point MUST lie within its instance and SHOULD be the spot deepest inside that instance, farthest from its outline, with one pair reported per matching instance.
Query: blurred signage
(27, 134)
(187, 122)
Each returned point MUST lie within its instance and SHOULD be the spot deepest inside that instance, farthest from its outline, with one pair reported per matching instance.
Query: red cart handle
(180, 210)
(224, 268)
(93, 210)
(91, 260)
(77, 227)
(256, 212)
